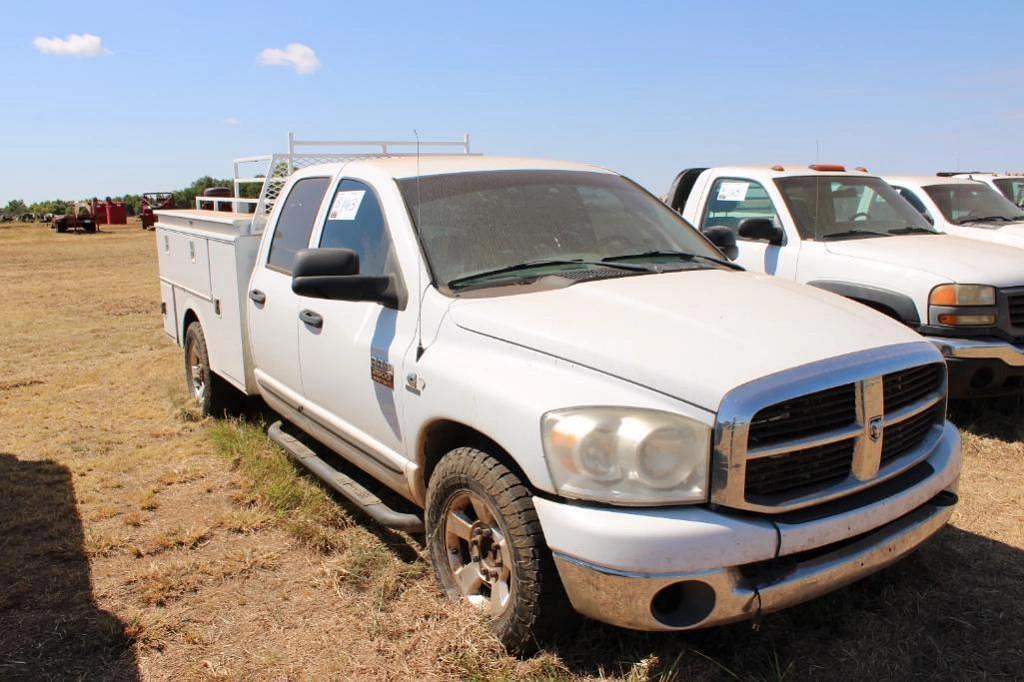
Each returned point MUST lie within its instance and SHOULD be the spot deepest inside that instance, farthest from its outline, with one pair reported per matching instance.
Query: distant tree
(15, 207)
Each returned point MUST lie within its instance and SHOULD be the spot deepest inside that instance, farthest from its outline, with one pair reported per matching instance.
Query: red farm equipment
(154, 201)
(109, 212)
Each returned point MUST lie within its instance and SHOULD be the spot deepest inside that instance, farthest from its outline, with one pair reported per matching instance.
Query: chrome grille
(785, 442)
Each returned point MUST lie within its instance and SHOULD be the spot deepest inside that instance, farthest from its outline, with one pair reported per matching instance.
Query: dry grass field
(137, 541)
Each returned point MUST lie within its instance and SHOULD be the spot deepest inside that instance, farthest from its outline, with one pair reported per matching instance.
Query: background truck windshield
(973, 202)
(833, 207)
(1012, 189)
(471, 223)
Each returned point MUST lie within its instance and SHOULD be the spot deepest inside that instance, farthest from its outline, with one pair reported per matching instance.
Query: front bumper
(685, 568)
(982, 367)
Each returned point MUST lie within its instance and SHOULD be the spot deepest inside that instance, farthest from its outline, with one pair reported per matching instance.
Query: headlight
(963, 294)
(972, 296)
(627, 456)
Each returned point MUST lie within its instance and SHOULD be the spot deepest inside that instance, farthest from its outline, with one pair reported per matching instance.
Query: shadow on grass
(50, 627)
(1001, 418)
(953, 611)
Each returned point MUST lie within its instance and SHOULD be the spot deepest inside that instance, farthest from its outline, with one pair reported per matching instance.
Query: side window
(355, 221)
(295, 223)
(733, 199)
(914, 201)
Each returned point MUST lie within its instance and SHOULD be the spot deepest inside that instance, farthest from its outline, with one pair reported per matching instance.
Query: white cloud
(301, 57)
(85, 45)
(231, 121)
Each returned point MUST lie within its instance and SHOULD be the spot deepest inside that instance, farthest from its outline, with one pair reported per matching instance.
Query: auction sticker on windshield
(733, 191)
(346, 205)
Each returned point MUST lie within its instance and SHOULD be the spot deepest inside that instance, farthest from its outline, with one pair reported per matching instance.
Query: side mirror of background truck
(334, 274)
(724, 239)
(760, 229)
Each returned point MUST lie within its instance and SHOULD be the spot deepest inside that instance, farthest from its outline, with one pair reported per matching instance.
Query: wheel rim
(195, 370)
(478, 552)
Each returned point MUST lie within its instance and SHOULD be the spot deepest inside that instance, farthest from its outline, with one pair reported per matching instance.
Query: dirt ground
(137, 541)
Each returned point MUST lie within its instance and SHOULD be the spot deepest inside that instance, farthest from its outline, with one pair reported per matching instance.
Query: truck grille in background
(804, 416)
(1016, 310)
(773, 478)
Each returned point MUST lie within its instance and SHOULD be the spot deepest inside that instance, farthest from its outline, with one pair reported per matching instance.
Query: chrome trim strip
(970, 349)
(833, 436)
(865, 370)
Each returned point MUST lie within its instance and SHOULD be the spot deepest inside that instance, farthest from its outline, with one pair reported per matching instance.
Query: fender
(901, 304)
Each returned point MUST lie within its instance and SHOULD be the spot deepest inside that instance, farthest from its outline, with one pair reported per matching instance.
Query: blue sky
(644, 88)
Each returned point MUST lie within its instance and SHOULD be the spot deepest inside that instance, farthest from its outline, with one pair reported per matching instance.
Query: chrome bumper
(632, 600)
(971, 349)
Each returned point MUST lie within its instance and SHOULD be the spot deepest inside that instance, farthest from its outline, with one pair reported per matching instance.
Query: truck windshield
(973, 202)
(1012, 189)
(844, 207)
(496, 226)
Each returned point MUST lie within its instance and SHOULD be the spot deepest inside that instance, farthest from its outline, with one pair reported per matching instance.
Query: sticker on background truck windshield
(346, 205)
(733, 191)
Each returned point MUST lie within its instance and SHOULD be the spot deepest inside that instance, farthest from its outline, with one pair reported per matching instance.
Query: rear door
(273, 310)
(352, 362)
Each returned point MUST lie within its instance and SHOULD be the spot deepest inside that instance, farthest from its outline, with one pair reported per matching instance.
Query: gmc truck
(963, 208)
(851, 233)
(592, 407)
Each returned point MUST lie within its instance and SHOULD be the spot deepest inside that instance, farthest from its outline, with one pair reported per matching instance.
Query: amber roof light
(831, 167)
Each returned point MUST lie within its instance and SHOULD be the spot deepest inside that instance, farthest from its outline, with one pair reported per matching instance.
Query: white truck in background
(850, 233)
(963, 208)
(1010, 185)
(590, 404)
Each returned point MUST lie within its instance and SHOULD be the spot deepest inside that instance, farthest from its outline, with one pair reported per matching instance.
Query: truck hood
(692, 335)
(949, 258)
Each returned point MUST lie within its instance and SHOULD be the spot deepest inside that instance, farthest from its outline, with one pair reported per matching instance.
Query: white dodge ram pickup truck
(963, 208)
(852, 234)
(590, 404)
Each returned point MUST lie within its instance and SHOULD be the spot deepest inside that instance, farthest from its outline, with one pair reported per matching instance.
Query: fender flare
(901, 304)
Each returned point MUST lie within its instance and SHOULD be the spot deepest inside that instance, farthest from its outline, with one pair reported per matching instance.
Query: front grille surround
(893, 372)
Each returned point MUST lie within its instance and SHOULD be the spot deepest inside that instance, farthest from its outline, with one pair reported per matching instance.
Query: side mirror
(724, 239)
(760, 229)
(333, 274)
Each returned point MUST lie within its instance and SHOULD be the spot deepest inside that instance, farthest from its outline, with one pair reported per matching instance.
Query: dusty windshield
(482, 228)
(843, 207)
(1012, 189)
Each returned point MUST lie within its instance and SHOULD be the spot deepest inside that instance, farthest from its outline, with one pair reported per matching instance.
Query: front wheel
(487, 547)
(212, 393)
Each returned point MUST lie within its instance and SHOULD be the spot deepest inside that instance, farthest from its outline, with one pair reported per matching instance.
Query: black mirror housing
(724, 239)
(760, 229)
(333, 274)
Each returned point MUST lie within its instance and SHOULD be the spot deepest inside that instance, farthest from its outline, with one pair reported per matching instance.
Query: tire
(214, 395)
(522, 585)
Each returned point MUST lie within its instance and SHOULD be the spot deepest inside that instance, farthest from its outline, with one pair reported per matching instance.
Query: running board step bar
(346, 486)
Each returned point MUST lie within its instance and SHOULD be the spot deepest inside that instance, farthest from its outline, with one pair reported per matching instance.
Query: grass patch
(298, 503)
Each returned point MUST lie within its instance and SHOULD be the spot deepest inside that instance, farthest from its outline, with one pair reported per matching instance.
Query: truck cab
(594, 409)
(1010, 185)
(851, 233)
(963, 207)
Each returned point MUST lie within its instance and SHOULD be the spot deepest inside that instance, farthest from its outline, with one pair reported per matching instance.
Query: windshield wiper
(853, 233)
(911, 229)
(685, 255)
(989, 219)
(541, 262)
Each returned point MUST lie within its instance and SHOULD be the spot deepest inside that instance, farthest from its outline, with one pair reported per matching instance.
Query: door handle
(258, 297)
(311, 318)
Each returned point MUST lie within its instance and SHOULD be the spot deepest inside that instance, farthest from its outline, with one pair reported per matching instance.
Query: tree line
(183, 198)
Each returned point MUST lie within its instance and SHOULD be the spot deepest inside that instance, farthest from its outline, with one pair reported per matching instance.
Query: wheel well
(444, 435)
(880, 307)
(190, 317)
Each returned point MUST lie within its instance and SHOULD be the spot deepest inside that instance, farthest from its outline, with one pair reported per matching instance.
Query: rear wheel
(214, 395)
(487, 547)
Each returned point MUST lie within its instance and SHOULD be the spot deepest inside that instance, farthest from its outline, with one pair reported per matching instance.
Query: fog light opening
(982, 378)
(683, 604)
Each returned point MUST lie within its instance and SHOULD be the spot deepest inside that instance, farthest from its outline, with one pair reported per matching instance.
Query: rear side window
(733, 199)
(296, 222)
(914, 201)
(355, 221)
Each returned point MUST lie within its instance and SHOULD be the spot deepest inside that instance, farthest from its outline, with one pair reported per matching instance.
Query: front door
(352, 362)
(272, 310)
(729, 202)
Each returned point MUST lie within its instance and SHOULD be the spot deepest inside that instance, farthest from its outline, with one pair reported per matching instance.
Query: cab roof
(792, 170)
(927, 180)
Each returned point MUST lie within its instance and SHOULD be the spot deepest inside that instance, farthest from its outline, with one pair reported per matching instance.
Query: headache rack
(271, 171)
